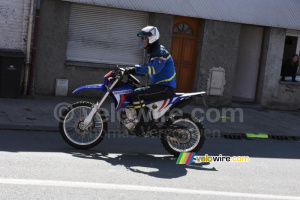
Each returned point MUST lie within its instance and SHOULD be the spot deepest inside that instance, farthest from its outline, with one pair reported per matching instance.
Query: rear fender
(95, 87)
(186, 99)
(193, 94)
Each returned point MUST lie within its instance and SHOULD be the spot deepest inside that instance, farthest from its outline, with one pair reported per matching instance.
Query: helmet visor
(143, 42)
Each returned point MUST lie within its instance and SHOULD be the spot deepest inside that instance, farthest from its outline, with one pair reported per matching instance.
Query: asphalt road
(39, 165)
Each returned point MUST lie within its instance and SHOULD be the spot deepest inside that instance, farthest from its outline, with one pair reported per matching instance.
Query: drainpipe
(33, 58)
(28, 50)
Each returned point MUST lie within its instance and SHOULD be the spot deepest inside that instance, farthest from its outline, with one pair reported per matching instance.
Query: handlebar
(119, 71)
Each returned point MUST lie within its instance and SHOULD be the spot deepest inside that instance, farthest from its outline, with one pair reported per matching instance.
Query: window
(291, 47)
(182, 29)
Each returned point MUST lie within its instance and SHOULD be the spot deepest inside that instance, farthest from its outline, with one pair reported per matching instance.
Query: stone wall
(14, 16)
(271, 93)
(219, 43)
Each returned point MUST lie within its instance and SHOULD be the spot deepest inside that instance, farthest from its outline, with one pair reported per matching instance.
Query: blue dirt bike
(83, 125)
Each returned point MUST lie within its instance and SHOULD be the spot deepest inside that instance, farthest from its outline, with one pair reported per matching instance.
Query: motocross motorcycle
(83, 125)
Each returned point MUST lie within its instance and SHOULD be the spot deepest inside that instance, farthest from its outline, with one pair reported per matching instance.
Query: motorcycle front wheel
(71, 124)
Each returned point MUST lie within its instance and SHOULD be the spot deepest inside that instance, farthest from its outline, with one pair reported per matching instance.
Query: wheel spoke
(72, 130)
(188, 138)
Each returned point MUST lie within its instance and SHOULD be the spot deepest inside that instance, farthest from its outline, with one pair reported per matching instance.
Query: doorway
(184, 51)
(247, 68)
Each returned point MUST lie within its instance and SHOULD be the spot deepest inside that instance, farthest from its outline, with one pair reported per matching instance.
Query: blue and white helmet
(151, 32)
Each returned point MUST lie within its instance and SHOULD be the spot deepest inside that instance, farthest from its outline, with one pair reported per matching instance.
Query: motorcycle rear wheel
(189, 140)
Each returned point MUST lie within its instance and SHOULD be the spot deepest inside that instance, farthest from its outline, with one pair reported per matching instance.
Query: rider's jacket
(160, 67)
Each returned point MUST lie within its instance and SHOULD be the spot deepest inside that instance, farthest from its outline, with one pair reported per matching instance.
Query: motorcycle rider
(159, 68)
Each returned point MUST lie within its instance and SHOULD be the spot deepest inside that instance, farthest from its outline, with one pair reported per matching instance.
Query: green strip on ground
(178, 160)
(258, 135)
(224, 117)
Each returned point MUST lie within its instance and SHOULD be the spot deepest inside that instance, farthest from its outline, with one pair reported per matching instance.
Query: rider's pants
(150, 93)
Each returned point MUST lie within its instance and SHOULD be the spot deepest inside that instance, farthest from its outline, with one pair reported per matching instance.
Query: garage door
(105, 35)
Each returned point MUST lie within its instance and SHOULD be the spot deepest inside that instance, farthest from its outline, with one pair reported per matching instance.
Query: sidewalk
(37, 113)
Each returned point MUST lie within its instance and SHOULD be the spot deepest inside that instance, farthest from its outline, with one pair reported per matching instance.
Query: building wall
(218, 47)
(286, 97)
(14, 24)
(272, 93)
(164, 23)
(219, 43)
(52, 47)
(51, 53)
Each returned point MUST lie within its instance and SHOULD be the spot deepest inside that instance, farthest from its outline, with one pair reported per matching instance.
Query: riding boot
(140, 125)
(144, 120)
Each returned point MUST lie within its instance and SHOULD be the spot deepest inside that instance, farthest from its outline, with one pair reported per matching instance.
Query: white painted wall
(14, 23)
(248, 62)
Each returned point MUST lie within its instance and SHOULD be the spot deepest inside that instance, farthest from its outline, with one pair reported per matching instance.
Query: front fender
(95, 87)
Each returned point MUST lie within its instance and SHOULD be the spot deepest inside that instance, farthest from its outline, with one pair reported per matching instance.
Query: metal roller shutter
(105, 35)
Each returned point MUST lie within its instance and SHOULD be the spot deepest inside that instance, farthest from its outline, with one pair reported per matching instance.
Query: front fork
(87, 122)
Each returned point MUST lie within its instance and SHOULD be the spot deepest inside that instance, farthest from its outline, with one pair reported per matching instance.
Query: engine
(129, 119)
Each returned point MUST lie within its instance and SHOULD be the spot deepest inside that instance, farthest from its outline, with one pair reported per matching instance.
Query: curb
(230, 136)
(29, 128)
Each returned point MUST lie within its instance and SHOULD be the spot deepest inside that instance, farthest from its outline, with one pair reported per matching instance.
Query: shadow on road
(159, 167)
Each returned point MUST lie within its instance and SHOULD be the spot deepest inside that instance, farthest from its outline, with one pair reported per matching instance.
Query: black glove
(130, 70)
